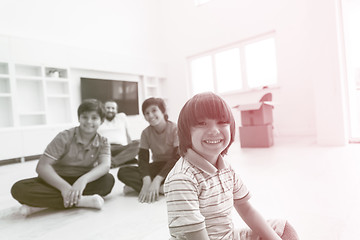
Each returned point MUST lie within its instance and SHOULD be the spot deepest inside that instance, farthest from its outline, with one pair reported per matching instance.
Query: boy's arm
(79, 185)
(46, 172)
(170, 163)
(156, 182)
(100, 170)
(183, 207)
(255, 221)
(198, 235)
(144, 168)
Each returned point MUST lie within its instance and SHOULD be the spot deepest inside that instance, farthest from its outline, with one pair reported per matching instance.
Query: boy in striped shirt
(202, 188)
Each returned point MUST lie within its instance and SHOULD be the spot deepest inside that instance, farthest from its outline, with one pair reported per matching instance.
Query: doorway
(351, 19)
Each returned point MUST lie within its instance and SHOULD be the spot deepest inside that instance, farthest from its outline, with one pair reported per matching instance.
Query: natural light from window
(202, 75)
(228, 70)
(261, 64)
(243, 66)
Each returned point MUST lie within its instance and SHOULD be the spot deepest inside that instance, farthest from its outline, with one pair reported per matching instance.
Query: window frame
(241, 46)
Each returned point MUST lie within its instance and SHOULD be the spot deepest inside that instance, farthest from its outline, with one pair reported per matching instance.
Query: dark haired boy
(74, 169)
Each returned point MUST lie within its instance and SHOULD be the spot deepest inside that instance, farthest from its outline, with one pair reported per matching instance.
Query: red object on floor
(256, 123)
(256, 114)
(256, 136)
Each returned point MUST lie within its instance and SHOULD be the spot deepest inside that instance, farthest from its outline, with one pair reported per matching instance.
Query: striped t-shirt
(200, 195)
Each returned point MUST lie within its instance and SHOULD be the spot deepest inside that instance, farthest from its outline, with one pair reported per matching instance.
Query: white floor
(316, 188)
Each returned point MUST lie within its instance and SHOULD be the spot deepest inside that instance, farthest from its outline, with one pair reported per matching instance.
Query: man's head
(111, 109)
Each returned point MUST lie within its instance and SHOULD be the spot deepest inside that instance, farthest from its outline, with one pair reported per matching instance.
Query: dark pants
(36, 192)
(131, 177)
(121, 154)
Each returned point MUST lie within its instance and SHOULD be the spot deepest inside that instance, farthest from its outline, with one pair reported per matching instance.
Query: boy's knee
(17, 190)
(109, 182)
(289, 232)
(122, 173)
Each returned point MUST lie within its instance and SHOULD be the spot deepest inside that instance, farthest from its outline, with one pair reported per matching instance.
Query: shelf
(33, 113)
(153, 86)
(162, 82)
(26, 78)
(30, 96)
(56, 79)
(56, 88)
(152, 92)
(56, 72)
(6, 119)
(32, 119)
(4, 68)
(34, 101)
(27, 70)
(58, 96)
(4, 85)
(151, 81)
(58, 110)
(4, 75)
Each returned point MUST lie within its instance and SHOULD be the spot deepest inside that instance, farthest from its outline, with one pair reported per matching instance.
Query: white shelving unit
(57, 95)
(6, 119)
(35, 104)
(32, 95)
(154, 87)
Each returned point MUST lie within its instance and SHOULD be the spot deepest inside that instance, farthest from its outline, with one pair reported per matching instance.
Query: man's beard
(110, 116)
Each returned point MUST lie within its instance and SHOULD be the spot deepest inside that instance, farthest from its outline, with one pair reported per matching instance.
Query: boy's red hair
(199, 107)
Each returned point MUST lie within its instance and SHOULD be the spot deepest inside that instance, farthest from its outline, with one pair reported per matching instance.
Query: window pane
(201, 75)
(228, 71)
(261, 67)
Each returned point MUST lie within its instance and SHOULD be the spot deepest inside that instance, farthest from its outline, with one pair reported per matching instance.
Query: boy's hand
(143, 195)
(66, 197)
(154, 188)
(77, 190)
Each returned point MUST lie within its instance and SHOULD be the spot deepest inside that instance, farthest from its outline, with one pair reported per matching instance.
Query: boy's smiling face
(153, 115)
(210, 137)
(89, 122)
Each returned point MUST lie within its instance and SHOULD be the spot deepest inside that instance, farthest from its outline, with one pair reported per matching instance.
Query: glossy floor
(316, 188)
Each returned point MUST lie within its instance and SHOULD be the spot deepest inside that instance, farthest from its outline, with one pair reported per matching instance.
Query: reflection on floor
(316, 188)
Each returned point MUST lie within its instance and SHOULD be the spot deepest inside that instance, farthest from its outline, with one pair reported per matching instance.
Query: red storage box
(256, 114)
(256, 136)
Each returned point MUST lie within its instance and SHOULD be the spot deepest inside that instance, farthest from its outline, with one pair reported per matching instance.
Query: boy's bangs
(210, 107)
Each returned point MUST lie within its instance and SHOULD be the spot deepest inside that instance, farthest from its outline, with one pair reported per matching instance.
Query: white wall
(125, 27)
(310, 98)
(107, 39)
(351, 9)
(154, 37)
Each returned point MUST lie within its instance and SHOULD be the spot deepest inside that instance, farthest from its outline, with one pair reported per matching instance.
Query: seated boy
(74, 169)
(202, 188)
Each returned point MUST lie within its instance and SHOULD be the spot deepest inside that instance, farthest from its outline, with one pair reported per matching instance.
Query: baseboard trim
(19, 160)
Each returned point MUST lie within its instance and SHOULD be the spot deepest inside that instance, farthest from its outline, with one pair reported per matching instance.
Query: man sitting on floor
(115, 129)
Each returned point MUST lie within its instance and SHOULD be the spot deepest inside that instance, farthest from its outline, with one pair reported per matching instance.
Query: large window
(201, 74)
(240, 67)
(227, 69)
